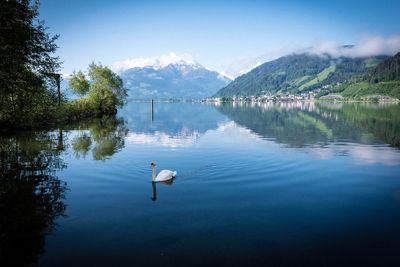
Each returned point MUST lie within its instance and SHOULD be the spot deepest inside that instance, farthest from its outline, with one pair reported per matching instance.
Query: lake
(258, 184)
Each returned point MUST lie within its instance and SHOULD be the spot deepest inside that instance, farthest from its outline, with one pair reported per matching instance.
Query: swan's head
(153, 164)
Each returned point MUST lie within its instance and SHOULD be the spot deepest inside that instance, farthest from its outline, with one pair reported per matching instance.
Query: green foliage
(351, 77)
(79, 84)
(361, 89)
(27, 75)
(320, 77)
(301, 80)
(383, 80)
(389, 70)
(372, 62)
(79, 109)
(102, 95)
(27, 60)
(274, 76)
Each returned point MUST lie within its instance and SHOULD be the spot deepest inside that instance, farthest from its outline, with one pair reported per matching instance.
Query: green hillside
(388, 70)
(298, 73)
(382, 80)
(320, 77)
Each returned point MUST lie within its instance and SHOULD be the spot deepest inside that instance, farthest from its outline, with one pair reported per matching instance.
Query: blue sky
(222, 35)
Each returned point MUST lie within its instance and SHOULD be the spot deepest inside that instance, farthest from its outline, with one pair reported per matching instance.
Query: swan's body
(163, 175)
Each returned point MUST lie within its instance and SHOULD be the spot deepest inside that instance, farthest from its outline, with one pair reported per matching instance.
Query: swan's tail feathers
(174, 174)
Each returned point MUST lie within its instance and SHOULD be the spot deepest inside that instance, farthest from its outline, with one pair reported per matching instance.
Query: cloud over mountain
(169, 76)
(155, 62)
(365, 47)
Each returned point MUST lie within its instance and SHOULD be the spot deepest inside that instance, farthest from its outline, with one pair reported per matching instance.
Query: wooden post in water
(57, 78)
(152, 110)
(58, 88)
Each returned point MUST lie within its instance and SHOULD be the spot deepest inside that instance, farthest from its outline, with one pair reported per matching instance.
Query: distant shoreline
(342, 100)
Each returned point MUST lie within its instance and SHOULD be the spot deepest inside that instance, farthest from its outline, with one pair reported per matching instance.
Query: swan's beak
(153, 164)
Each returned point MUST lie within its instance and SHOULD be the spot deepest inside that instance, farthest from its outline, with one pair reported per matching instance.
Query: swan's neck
(153, 176)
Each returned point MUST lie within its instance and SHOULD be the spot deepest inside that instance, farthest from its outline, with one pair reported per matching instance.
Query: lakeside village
(309, 96)
(303, 97)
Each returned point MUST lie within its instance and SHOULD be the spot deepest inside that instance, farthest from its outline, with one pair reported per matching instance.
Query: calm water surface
(258, 184)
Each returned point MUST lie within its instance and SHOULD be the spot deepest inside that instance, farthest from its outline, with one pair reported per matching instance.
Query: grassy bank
(362, 89)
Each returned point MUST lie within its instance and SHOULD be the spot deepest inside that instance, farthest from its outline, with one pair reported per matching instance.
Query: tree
(105, 91)
(79, 84)
(26, 53)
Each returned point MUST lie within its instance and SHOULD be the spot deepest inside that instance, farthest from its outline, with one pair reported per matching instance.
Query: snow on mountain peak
(156, 62)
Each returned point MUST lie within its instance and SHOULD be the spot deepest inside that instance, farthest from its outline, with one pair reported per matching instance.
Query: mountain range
(292, 74)
(178, 80)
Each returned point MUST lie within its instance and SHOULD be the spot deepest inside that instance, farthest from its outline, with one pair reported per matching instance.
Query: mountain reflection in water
(298, 124)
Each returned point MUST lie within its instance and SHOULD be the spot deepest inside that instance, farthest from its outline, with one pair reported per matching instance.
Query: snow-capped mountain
(155, 62)
(169, 77)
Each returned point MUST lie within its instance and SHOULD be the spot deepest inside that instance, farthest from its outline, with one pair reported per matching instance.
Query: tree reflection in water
(31, 195)
(103, 137)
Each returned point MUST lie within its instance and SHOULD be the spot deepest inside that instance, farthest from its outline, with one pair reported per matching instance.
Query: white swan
(163, 175)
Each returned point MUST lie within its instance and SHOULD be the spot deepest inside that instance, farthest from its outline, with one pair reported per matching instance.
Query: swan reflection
(154, 187)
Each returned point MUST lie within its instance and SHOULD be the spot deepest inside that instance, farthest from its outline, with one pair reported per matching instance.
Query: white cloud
(258, 63)
(360, 154)
(240, 66)
(155, 62)
(366, 46)
(372, 155)
(222, 75)
(182, 139)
